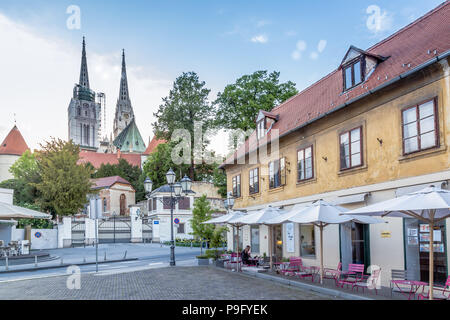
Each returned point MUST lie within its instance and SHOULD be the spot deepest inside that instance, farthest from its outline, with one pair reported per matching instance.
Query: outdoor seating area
(14, 248)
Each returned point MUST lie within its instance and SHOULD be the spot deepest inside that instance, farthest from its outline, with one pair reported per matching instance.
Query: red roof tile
(14, 143)
(410, 45)
(152, 145)
(97, 159)
(107, 182)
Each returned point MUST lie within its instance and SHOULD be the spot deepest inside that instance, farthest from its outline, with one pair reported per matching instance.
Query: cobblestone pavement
(178, 283)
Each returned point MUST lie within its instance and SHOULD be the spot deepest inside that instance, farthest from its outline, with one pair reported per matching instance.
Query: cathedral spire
(123, 95)
(84, 77)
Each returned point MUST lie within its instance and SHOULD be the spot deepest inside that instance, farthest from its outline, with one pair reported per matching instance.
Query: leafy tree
(220, 181)
(201, 213)
(26, 174)
(187, 103)
(239, 103)
(124, 169)
(64, 184)
(24, 193)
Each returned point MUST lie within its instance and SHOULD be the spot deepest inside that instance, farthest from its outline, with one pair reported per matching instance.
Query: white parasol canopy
(9, 211)
(321, 214)
(430, 205)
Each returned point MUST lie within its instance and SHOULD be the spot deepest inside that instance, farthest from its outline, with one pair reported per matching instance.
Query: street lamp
(176, 188)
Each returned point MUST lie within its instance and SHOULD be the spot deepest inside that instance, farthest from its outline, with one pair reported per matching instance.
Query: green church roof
(130, 139)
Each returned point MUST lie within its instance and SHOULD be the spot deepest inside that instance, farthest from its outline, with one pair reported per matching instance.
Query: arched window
(123, 204)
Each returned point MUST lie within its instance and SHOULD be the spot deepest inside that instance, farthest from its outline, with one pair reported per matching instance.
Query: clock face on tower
(126, 116)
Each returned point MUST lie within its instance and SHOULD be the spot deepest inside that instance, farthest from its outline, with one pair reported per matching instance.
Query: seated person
(246, 257)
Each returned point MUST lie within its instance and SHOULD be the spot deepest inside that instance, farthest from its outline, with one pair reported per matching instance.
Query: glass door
(277, 242)
(355, 245)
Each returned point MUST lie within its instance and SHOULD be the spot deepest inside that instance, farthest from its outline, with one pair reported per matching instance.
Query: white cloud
(38, 74)
(262, 23)
(260, 39)
(301, 45)
(314, 55)
(296, 55)
(290, 33)
(322, 45)
(378, 21)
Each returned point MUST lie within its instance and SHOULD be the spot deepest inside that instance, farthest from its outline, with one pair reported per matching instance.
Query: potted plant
(203, 260)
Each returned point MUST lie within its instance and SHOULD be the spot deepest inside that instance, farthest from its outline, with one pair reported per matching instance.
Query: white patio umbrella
(430, 205)
(321, 214)
(9, 211)
(229, 219)
(261, 217)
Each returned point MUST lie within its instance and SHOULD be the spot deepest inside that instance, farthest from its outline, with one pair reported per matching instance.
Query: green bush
(35, 223)
(203, 257)
(214, 254)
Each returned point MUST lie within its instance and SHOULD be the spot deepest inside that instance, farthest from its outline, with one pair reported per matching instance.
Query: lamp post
(176, 189)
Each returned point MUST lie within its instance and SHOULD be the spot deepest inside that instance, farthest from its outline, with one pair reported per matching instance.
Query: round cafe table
(414, 287)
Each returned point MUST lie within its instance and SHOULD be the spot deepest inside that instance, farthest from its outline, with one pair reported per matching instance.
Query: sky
(219, 40)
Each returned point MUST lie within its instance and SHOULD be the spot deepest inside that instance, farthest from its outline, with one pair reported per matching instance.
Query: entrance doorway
(123, 204)
(278, 242)
(355, 245)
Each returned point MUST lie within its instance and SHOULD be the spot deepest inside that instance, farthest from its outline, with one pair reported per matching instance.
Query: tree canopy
(239, 103)
(186, 104)
(64, 184)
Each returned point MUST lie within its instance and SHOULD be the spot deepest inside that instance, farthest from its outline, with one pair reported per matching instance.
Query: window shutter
(154, 207)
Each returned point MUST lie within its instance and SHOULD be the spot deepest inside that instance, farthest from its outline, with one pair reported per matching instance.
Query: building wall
(6, 161)
(385, 168)
(112, 196)
(380, 117)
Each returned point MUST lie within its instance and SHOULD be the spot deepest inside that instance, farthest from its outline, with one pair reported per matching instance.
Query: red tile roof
(107, 182)
(152, 145)
(97, 159)
(14, 143)
(410, 45)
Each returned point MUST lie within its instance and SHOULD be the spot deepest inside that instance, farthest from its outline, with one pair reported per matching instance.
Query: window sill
(305, 182)
(277, 189)
(422, 154)
(345, 172)
(254, 195)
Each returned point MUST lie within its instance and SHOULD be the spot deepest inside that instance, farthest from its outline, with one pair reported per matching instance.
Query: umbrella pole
(431, 254)
(270, 248)
(237, 249)
(321, 253)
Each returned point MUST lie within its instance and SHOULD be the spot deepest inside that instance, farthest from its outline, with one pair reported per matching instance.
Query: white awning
(405, 190)
(355, 198)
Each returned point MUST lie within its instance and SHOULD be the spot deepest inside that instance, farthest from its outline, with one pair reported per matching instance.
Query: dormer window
(357, 66)
(353, 74)
(264, 123)
(260, 129)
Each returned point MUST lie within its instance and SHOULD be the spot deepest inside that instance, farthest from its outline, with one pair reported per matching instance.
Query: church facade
(85, 119)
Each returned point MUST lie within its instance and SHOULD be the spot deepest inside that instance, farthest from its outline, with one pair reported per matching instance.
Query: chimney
(118, 154)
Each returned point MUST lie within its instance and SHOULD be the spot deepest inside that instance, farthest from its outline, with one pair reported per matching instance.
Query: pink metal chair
(354, 274)
(235, 259)
(439, 292)
(295, 264)
(334, 274)
(365, 283)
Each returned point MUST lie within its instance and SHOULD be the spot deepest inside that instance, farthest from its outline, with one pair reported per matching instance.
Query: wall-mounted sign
(385, 234)
(290, 246)
(38, 234)
(176, 221)
(156, 222)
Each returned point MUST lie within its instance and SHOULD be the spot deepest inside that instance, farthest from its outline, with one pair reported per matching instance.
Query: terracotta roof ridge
(410, 25)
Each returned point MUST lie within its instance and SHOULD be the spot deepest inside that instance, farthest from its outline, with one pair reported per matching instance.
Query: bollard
(125, 256)
(84, 259)
(105, 256)
(62, 262)
(6, 263)
(191, 244)
(35, 262)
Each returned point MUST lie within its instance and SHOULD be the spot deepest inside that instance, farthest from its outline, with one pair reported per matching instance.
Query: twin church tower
(85, 116)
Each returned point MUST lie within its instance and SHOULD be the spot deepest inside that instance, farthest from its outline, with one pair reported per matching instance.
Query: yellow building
(375, 128)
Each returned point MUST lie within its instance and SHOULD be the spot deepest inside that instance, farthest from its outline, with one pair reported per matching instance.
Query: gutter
(382, 86)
